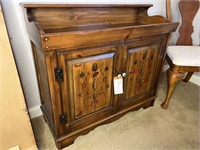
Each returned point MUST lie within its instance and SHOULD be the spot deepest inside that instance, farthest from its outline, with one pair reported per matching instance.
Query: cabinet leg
(152, 102)
(172, 79)
(149, 104)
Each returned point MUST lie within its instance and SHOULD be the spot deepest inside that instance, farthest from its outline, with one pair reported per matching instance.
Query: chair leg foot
(164, 105)
(172, 79)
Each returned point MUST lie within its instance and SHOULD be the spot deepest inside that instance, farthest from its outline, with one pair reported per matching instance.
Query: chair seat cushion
(184, 55)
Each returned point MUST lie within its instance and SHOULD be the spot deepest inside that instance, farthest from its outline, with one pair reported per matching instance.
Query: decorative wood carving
(186, 28)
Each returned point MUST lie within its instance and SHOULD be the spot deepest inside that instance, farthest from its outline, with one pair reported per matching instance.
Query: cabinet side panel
(43, 82)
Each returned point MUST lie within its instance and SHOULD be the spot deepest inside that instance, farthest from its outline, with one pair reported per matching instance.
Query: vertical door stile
(119, 68)
(51, 63)
(64, 91)
(127, 60)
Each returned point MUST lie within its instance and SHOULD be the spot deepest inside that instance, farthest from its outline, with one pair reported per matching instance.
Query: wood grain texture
(90, 83)
(188, 9)
(92, 80)
(54, 87)
(173, 78)
(93, 44)
(35, 5)
(85, 38)
(42, 77)
(80, 17)
(141, 63)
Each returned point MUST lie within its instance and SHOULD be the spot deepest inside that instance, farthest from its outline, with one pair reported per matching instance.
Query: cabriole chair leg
(172, 79)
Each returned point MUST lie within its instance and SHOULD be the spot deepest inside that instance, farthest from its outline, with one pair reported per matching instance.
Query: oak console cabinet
(79, 50)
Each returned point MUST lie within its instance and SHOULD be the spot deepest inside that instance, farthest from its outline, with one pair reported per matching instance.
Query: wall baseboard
(35, 111)
(194, 79)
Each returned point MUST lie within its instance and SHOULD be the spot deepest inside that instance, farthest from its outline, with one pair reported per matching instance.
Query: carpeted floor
(177, 128)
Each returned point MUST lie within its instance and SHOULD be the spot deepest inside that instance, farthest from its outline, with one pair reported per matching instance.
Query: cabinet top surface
(43, 5)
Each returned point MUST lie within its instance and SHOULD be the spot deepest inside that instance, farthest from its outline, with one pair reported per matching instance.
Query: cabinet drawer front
(91, 81)
(141, 69)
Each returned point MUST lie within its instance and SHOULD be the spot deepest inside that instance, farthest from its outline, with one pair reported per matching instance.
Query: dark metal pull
(63, 119)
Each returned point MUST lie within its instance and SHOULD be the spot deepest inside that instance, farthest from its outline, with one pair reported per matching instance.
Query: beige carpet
(151, 129)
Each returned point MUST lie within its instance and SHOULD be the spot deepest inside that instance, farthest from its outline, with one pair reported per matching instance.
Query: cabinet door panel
(141, 66)
(91, 83)
(87, 86)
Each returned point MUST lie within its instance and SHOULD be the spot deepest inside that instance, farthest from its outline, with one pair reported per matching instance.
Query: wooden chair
(183, 57)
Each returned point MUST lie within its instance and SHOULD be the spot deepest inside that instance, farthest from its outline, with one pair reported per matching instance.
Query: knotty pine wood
(93, 44)
(141, 62)
(112, 35)
(79, 17)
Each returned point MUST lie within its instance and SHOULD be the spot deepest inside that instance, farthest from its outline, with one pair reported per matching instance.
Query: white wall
(21, 48)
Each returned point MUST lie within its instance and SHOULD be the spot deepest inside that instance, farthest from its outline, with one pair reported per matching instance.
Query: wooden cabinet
(79, 50)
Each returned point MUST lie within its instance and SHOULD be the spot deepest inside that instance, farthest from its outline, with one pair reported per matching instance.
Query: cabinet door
(142, 70)
(87, 87)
